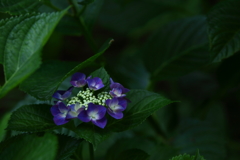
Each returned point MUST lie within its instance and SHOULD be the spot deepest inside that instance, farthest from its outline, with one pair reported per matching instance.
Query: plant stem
(85, 31)
(91, 152)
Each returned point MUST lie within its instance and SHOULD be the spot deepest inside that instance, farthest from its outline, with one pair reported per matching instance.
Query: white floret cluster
(85, 97)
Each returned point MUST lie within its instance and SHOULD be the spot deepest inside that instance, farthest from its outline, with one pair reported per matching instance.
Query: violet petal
(101, 122)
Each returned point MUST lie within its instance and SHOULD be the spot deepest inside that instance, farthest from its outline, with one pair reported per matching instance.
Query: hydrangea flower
(88, 105)
(62, 95)
(95, 114)
(59, 111)
(74, 110)
(117, 90)
(116, 106)
(78, 80)
(95, 83)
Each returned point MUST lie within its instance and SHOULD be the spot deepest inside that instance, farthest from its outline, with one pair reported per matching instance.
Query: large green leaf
(202, 135)
(31, 118)
(20, 42)
(67, 146)
(16, 7)
(224, 29)
(45, 81)
(122, 146)
(143, 104)
(150, 14)
(29, 147)
(92, 133)
(177, 48)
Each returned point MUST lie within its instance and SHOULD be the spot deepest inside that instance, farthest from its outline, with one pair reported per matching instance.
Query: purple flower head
(74, 111)
(94, 113)
(62, 95)
(95, 83)
(78, 80)
(116, 106)
(117, 90)
(59, 111)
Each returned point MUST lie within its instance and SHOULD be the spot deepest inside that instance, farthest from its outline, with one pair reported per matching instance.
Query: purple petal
(62, 95)
(95, 83)
(116, 92)
(63, 108)
(83, 116)
(59, 120)
(78, 80)
(54, 110)
(118, 85)
(100, 123)
(72, 114)
(117, 104)
(96, 111)
(116, 115)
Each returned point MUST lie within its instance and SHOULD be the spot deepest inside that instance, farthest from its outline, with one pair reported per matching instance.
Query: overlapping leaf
(29, 147)
(20, 43)
(177, 48)
(45, 81)
(224, 29)
(35, 117)
(67, 146)
(143, 104)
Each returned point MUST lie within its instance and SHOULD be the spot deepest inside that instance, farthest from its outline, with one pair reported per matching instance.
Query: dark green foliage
(67, 146)
(31, 118)
(16, 7)
(224, 34)
(143, 104)
(45, 81)
(172, 52)
(29, 147)
(162, 48)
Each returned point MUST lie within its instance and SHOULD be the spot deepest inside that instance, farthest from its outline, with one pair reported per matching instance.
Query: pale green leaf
(21, 40)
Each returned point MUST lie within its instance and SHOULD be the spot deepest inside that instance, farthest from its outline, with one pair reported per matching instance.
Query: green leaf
(67, 146)
(92, 133)
(133, 154)
(177, 48)
(143, 104)
(188, 157)
(207, 137)
(92, 11)
(31, 118)
(45, 81)
(224, 30)
(3, 125)
(21, 41)
(16, 7)
(124, 145)
(29, 147)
